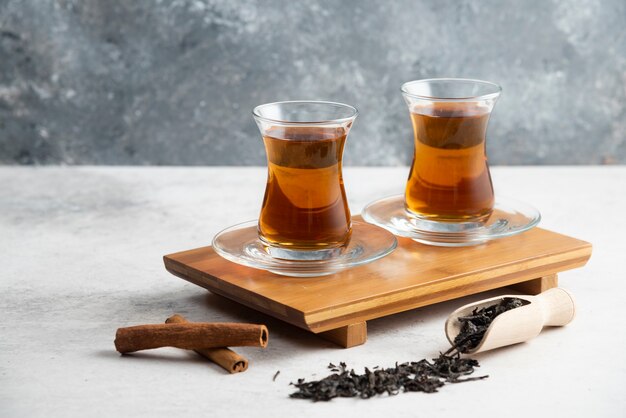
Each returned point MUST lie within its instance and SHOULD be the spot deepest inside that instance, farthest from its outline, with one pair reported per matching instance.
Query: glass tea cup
(305, 213)
(449, 180)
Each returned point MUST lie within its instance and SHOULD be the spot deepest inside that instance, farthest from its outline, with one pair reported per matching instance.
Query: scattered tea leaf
(421, 376)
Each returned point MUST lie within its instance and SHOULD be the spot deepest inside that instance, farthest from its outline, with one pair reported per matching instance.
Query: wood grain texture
(348, 336)
(536, 286)
(413, 275)
(555, 307)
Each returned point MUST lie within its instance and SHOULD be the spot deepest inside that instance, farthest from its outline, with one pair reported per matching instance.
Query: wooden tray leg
(536, 286)
(348, 336)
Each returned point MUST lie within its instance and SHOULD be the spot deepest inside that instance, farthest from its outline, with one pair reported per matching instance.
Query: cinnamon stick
(190, 336)
(222, 356)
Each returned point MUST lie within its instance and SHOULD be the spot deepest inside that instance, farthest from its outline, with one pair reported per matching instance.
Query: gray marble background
(173, 82)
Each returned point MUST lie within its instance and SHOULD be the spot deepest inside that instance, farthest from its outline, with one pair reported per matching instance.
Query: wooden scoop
(554, 307)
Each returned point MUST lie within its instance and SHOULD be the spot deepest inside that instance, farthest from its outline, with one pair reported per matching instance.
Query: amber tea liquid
(449, 178)
(305, 204)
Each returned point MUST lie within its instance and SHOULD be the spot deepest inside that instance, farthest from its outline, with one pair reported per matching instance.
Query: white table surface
(81, 249)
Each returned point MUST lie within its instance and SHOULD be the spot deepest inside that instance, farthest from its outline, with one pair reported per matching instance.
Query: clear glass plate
(241, 244)
(509, 217)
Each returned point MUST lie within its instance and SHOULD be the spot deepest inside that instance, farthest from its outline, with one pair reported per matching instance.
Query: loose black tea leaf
(421, 376)
(275, 375)
(474, 326)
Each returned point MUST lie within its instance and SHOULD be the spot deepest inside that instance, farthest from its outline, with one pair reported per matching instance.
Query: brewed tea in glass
(304, 209)
(449, 180)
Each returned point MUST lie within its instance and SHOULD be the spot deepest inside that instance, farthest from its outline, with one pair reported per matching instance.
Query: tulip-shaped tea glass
(449, 198)
(304, 228)
(449, 179)
(305, 210)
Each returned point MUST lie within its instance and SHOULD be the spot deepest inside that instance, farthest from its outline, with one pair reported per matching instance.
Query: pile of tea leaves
(422, 376)
(474, 326)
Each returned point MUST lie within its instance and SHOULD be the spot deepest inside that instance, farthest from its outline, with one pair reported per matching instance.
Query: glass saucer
(241, 244)
(509, 217)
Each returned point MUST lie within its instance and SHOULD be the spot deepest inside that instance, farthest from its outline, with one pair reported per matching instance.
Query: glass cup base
(477, 220)
(509, 217)
(241, 244)
(303, 255)
(421, 223)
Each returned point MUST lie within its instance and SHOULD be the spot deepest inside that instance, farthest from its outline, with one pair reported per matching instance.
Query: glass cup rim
(257, 115)
(492, 95)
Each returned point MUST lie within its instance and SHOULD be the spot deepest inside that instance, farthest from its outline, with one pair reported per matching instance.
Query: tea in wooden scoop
(506, 320)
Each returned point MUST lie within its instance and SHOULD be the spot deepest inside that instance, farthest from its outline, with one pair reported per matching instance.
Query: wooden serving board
(338, 306)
